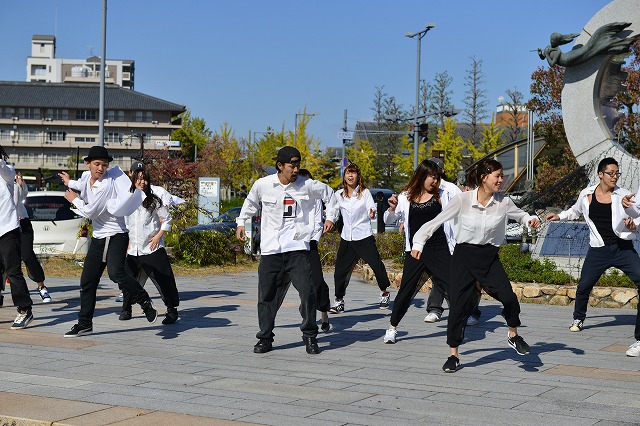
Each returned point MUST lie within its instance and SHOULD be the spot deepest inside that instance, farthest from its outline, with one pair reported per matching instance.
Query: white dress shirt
(107, 201)
(618, 214)
(474, 223)
(167, 198)
(355, 214)
(268, 194)
(8, 215)
(447, 192)
(143, 225)
(19, 196)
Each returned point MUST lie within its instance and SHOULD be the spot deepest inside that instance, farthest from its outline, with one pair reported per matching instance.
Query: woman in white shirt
(356, 240)
(480, 220)
(421, 200)
(146, 253)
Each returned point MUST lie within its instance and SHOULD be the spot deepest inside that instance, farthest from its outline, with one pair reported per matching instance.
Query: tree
(490, 141)
(365, 157)
(452, 144)
(439, 97)
(193, 133)
(389, 117)
(628, 127)
(514, 104)
(475, 100)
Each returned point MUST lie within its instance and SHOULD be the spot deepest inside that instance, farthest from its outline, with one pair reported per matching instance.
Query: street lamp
(295, 125)
(418, 36)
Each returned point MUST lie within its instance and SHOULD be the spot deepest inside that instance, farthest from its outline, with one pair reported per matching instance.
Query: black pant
(598, 260)
(10, 257)
(271, 279)
(471, 263)
(436, 262)
(157, 267)
(34, 269)
(439, 294)
(114, 259)
(320, 287)
(349, 252)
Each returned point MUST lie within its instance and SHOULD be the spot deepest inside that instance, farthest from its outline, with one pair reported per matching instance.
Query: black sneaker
(171, 316)
(263, 346)
(451, 365)
(325, 326)
(149, 311)
(518, 343)
(23, 319)
(79, 330)
(125, 315)
(311, 344)
(383, 303)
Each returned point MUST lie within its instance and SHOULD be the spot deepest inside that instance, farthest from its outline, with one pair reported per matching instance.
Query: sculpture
(604, 41)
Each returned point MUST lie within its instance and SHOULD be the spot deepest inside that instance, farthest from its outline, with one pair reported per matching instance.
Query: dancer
(606, 209)
(288, 205)
(34, 269)
(105, 199)
(146, 254)
(480, 220)
(10, 247)
(421, 200)
(357, 208)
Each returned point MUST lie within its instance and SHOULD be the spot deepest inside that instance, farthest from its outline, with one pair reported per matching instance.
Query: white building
(43, 66)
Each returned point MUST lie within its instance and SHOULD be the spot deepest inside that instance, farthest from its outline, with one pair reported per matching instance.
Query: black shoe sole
(261, 350)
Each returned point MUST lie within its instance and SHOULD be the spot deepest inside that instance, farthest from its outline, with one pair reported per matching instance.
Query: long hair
(152, 201)
(480, 170)
(415, 186)
(353, 167)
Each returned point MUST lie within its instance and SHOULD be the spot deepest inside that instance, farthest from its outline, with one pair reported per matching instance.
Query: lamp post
(295, 125)
(418, 36)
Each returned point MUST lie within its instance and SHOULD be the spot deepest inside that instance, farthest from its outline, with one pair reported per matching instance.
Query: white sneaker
(472, 321)
(634, 350)
(44, 294)
(390, 335)
(432, 317)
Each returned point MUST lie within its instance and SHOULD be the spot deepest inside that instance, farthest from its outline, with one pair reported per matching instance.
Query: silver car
(56, 228)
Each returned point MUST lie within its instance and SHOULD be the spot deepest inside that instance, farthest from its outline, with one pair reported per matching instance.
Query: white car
(56, 229)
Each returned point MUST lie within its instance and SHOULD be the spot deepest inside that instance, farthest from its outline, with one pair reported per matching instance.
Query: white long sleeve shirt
(355, 214)
(474, 223)
(143, 225)
(19, 196)
(618, 214)
(268, 195)
(447, 192)
(168, 199)
(107, 201)
(8, 214)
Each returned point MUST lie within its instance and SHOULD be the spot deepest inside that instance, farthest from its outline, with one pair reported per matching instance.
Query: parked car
(56, 228)
(224, 223)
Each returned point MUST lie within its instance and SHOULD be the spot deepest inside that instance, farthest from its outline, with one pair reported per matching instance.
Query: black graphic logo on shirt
(289, 207)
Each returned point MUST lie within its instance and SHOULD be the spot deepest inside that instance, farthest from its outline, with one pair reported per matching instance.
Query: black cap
(98, 153)
(286, 153)
(138, 165)
(438, 162)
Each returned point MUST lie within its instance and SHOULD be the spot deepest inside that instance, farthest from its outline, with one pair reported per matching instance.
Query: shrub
(390, 246)
(206, 248)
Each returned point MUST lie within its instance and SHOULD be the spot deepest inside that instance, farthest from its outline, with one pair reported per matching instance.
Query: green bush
(389, 245)
(206, 248)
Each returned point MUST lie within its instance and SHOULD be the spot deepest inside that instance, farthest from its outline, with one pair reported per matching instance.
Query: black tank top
(421, 213)
(600, 214)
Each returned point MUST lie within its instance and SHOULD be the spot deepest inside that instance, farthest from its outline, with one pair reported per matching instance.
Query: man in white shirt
(10, 248)
(288, 205)
(105, 198)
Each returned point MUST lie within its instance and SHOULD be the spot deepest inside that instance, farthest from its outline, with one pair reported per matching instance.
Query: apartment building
(43, 66)
(44, 125)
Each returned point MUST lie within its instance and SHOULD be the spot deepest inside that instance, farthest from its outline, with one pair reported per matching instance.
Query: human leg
(436, 297)
(368, 251)
(269, 273)
(89, 280)
(34, 269)
(627, 262)
(10, 258)
(597, 261)
(297, 266)
(412, 271)
(346, 260)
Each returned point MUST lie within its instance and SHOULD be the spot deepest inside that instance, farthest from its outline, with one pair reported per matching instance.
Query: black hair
(415, 186)
(152, 201)
(305, 173)
(480, 170)
(602, 165)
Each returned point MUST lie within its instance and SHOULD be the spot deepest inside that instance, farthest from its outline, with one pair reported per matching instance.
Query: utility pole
(344, 144)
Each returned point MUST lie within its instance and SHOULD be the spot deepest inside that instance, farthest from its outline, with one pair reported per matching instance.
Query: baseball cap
(138, 165)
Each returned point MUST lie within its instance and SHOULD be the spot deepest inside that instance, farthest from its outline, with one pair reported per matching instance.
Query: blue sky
(255, 64)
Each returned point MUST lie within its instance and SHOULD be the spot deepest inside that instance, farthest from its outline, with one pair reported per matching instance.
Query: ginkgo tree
(452, 144)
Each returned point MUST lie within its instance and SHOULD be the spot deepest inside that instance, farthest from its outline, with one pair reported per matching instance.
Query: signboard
(171, 144)
(208, 199)
(345, 135)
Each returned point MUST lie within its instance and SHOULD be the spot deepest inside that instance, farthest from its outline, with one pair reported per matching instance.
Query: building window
(85, 140)
(142, 116)
(57, 136)
(29, 135)
(86, 114)
(29, 113)
(38, 70)
(115, 115)
(6, 112)
(113, 138)
(57, 114)
(5, 134)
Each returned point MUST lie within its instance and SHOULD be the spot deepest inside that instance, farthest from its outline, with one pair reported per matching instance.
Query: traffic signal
(424, 132)
(410, 137)
(334, 160)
